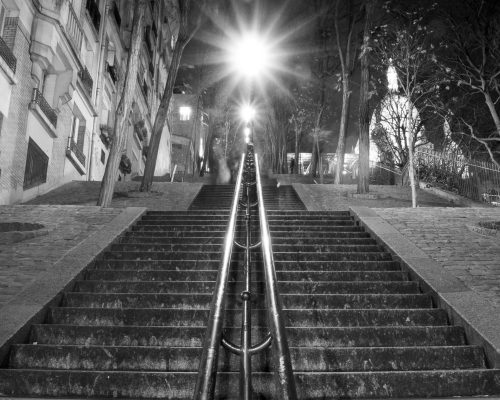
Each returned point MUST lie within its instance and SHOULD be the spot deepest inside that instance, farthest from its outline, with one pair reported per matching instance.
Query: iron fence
(76, 150)
(474, 179)
(7, 55)
(86, 80)
(39, 100)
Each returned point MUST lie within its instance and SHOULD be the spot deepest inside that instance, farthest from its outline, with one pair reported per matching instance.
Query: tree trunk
(123, 109)
(296, 166)
(314, 159)
(161, 115)
(493, 112)
(346, 97)
(364, 107)
(320, 163)
(411, 148)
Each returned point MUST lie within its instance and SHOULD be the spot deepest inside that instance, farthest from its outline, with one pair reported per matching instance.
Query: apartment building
(60, 66)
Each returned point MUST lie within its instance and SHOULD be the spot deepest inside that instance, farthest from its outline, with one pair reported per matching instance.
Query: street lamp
(248, 114)
(250, 56)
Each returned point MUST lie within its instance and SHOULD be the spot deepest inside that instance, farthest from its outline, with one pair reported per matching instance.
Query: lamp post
(248, 116)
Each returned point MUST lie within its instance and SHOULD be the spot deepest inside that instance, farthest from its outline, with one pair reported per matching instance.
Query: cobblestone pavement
(64, 228)
(163, 196)
(341, 197)
(450, 236)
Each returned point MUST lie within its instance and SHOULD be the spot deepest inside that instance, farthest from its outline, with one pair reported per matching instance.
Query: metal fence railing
(45, 107)
(7, 55)
(474, 179)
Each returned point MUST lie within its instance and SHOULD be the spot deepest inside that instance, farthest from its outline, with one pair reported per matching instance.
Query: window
(37, 163)
(103, 157)
(185, 113)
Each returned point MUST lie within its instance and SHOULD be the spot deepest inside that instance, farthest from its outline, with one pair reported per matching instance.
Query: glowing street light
(247, 113)
(247, 131)
(250, 55)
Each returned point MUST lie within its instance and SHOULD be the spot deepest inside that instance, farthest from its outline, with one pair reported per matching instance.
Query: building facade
(61, 63)
(189, 126)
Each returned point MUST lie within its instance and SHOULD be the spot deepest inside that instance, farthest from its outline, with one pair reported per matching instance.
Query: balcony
(75, 154)
(39, 101)
(94, 14)
(86, 79)
(7, 55)
(116, 15)
(74, 30)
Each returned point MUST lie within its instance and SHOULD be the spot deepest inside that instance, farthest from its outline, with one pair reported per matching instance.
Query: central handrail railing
(206, 382)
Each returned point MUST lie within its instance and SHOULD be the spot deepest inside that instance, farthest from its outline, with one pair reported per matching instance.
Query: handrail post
(281, 353)
(205, 385)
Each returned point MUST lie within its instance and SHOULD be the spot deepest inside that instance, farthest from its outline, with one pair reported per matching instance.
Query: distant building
(60, 64)
(189, 132)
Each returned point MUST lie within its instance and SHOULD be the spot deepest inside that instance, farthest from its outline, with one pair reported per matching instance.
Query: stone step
(211, 275)
(354, 265)
(178, 385)
(200, 240)
(185, 359)
(275, 229)
(199, 317)
(291, 287)
(277, 248)
(283, 213)
(271, 218)
(298, 256)
(296, 236)
(336, 256)
(394, 336)
(203, 300)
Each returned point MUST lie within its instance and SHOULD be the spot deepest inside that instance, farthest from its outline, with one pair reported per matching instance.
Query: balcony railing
(74, 30)
(7, 55)
(86, 80)
(40, 101)
(94, 14)
(37, 163)
(116, 14)
(76, 150)
(113, 73)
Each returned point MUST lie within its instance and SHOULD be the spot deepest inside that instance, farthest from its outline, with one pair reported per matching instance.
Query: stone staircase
(219, 197)
(357, 328)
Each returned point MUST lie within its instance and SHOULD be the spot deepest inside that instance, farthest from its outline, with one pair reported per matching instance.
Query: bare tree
(364, 100)
(405, 44)
(188, 25)
(128, 87)
(473, 62)
(347, 56)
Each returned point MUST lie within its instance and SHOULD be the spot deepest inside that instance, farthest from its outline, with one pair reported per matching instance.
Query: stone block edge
(444, 291)
(16, 325)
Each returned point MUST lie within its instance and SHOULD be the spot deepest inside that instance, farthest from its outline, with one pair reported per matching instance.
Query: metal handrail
(205, 386)
(281, 353)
